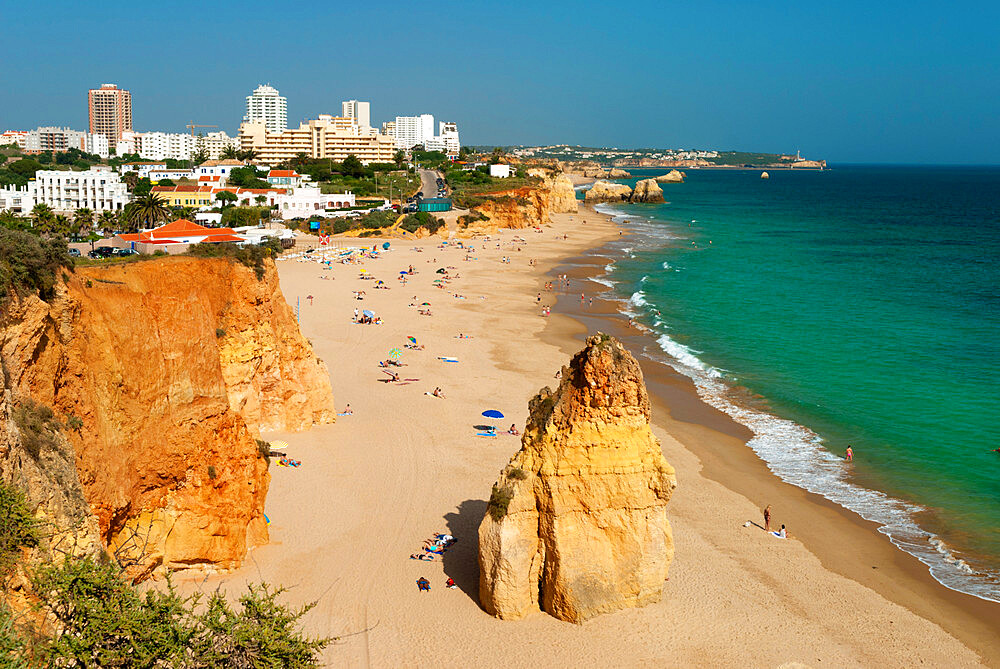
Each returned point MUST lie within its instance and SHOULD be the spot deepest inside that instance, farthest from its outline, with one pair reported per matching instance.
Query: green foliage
(29, 263)
(142, 187)
(146, 211)
(104, 622)
(500, 498)
(466, 220)
(38, 427)
(377, 219)
(11, 178)
(225, 198)
(263, 448)
(744, 158)
(429, 159)
(251, 256)
(237, 217)
(74, 423)
(219, 333)
(14, 645)
(18, 528)
(247, 177)
(341, 225)
(26, 167)
(421, 219)
(165, 182)
(517, 474)
(352, 167)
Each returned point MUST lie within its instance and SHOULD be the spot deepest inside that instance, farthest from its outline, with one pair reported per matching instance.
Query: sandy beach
(406, 465)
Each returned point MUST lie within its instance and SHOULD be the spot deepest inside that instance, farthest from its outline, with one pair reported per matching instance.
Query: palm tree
(247, 155)
(229, 153)
(145, 211)
(130, 179)
(225, 198)
(108, 221)
(41, 216)
(260, 199)
(83, 217)
(399, 158)
(60, 225)
(9, 219)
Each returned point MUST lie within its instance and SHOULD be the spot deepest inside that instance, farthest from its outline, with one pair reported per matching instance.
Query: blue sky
(846, 81)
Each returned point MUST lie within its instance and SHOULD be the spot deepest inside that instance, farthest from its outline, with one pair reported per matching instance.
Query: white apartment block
(51, 138)
(360, 112)
(215, 143)
(165, 145)
(16, 137)
(413, 130)
(144, 169)
(389, 129)
(306, 201)
(95, 189)
(333, 137)
(267, 106)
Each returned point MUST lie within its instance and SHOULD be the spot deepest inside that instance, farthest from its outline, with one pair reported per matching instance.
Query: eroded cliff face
(606, 191)
(170, 368)
(527, 207)
(576, 523)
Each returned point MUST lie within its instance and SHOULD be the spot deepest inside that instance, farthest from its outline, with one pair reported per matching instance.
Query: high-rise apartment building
(413, 130)
(359, 111)
(266, 106)
(110, 111)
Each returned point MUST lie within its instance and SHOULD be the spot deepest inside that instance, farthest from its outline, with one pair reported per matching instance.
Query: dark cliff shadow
(461, 561)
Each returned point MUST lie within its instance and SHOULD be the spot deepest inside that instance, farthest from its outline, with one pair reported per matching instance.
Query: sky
(889, 82)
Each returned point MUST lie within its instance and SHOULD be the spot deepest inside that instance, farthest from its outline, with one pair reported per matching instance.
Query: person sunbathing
(438, 393)
(513, 431)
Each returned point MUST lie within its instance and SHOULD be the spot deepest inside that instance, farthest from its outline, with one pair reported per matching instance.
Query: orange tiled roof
(222, 163)
(283, 173)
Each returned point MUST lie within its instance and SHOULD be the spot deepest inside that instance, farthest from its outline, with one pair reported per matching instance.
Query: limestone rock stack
(576, 524)
(671, 177)
(562, 196)
(647, 190)
(606, 191)
(618, 173)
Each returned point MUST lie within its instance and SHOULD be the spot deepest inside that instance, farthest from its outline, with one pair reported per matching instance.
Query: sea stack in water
(618, 173)
(606, 191)
(647, 190)
(671, 177)
(765, 175)
(576, 524)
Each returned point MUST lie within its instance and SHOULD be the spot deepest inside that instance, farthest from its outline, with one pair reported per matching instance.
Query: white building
(267, 106)
(96, 189)
(307, 201)
(165, 145)
(215, 143)
(173, 175)
(500, 171)
(142, 168)
(54, 139)
(413, 130)
(360, 112)
(14, 199)
(16, 137)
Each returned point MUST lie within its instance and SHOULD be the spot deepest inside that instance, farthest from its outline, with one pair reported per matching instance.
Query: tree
(247, 155)
(246, 177)
(352, 167)
(12, 221)
(225, 198)
(25, 167)
(399, 158)
(146, 211)
(165, 182)
(229, 153)
(142, 187)
(61, 225)
(130, 179)
(41, 216)
(199, 156)
(260, 199)
(108, 221)
(84, 218)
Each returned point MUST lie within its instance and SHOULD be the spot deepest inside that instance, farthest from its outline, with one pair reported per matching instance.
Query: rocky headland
(158, 377)
(576, 524)
(647, 190)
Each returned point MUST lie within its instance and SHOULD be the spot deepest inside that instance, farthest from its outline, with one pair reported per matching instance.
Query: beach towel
(447, 359)
(486, 434)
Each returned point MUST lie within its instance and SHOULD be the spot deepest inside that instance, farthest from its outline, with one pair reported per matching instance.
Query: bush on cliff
(421, 219)
(38, 427)
(102, 621)
(251, 256)
(18, 527)
(30, 264)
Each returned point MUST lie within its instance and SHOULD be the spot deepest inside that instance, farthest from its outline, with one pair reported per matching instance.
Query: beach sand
(406, 465)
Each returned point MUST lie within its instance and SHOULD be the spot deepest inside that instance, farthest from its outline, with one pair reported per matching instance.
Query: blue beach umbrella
(385, 245)
(492, 413)
(367, 313)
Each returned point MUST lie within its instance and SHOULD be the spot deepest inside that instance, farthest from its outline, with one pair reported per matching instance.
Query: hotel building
(110, 111)
(333, 137)
(268, 107)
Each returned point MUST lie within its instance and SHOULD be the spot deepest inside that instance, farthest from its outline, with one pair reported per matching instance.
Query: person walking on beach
(850, 453)
(767, 518)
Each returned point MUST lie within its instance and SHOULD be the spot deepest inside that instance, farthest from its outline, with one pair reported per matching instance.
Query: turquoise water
(858, 305)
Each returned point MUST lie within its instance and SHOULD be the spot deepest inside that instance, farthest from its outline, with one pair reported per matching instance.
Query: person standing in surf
(767, 518)
(850, 453)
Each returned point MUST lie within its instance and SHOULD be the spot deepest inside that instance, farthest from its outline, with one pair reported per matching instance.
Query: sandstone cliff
(671, 177)
(618, 173)
(576, 523)
(527, 207)
(169, 368)
(606, 191)
(647, 190)
(584, 168)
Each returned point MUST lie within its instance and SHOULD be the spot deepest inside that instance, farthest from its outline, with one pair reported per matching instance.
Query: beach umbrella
(425, 304)
(403, 271)
(413, 340)
(385, 245)
(492, 413)
(279, 444)
(395, 354)
(367, 313)
(441, 271)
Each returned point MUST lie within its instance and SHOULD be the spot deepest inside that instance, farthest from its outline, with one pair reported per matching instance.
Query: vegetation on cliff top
(251, 256)
(30, 264)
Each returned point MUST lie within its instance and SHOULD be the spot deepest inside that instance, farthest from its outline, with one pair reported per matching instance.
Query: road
(428, 183)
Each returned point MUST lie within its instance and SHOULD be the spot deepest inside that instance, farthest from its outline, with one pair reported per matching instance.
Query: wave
(796, 455)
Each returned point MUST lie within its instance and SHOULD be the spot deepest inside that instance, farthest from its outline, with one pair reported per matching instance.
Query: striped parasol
(395, 354)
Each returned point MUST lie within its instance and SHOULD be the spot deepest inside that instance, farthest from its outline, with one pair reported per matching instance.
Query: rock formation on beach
(576, 524)
(166, 370)
(606, 191)
(526, 207)
(618, 173)
(647, 190)
(671, 177)
(584, 168)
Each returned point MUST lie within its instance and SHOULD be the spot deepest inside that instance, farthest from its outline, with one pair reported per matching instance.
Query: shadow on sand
(461, 562)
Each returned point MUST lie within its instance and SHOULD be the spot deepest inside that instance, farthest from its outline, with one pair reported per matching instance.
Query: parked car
(101, 252)
(75, 253)
(126, 252)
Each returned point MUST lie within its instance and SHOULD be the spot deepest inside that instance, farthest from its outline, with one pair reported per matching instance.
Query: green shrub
(18, 527)
(517, 474)
(341, 225)
(263, 448)
(38, 427)
(251, 256)
(219, 333)
(500, 498)
(30, 264)
(74, 423)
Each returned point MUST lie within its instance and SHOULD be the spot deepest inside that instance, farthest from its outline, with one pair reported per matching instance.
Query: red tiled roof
(283, 173)
(130, 237)
(222, 238)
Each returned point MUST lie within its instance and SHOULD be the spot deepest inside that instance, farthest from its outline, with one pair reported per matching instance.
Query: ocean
(854, 306)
